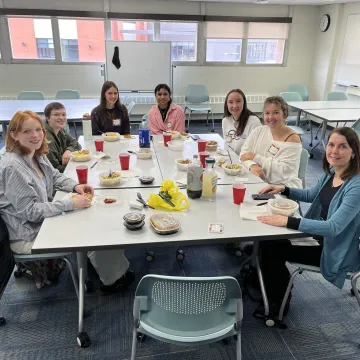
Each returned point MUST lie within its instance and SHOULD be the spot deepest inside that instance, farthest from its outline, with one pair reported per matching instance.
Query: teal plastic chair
(130, 106)
(301, 89)
(291, 119)
(31, 95)
(356, 126)
(2, 152)
(304, 162)
(126, 101)
(196, 99)
(67, 94)
(336, 96)
(187, 310)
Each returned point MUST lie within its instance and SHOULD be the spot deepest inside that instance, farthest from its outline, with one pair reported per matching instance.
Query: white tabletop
(335, 115)
(323, 105)
(169, 170)
(101, 227)
(74, 108)
(130, 178)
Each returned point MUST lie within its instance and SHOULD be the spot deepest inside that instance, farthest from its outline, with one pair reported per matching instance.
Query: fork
(229, 156)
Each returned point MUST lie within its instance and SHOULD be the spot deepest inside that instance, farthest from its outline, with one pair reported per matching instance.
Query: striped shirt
(25, 199)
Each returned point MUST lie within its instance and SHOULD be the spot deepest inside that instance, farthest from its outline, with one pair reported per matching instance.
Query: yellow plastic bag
(171, 190)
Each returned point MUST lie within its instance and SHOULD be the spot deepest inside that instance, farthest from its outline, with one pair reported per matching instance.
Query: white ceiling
(283, 2)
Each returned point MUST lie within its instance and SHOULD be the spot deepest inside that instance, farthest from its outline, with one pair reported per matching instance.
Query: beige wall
(218, 79)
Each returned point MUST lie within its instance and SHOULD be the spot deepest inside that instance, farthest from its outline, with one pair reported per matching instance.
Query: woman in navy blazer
(333, 219)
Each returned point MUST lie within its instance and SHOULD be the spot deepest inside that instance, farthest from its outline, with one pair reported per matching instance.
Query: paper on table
(100, 155)
(249, 211)
(241, 179)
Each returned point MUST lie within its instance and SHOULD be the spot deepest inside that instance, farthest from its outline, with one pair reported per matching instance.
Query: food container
(184, 135)
(82, 155)
(176, 145)
(111, 136)
(107, 180)
(146, 180)
(164, 224)
(134, 227)
(182, 164)
(232, 169)
(144, 154)
(284, 207)
(134, 218)
(174, 134)
(211, 145)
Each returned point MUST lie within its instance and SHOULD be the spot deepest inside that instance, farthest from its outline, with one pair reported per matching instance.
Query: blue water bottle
(144, 133)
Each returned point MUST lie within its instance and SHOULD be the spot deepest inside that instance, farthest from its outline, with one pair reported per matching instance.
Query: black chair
(7, 262)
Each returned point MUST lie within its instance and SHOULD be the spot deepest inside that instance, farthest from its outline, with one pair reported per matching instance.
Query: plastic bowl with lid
(82, 155)
(144, 154)
(107, 180)
(284, 207)
(111, 136)
(232, 169)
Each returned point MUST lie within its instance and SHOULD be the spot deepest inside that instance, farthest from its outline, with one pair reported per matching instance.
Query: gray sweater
(25, 199)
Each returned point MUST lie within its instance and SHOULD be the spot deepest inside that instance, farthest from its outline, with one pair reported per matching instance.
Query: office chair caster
(141, 337)
(237, 252)
(269, 322)
(83, 340)
(2, 321)
(89, 286)
(19, 273)
(311, 155)
(180, 255)
(149, 256)
(226, 341)
(212, 130)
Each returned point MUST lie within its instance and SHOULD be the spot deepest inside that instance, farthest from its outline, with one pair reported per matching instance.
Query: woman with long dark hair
(333, 219)
(165, 115)
(239, 121)
(110, 115)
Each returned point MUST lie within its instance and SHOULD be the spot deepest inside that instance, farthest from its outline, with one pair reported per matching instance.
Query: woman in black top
(110, 115)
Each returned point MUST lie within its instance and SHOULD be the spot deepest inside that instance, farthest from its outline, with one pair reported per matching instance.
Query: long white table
(100, 228)
(169, 170)
(324, 105)
(129, 179)
(75, 109)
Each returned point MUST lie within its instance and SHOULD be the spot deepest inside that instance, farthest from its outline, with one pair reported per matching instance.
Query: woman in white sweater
(273, 151)
(239, 121)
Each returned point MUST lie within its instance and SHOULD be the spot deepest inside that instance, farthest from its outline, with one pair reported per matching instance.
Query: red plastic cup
(99, 145)
(167, 138)
(201, 145)
(82, 173)
(203, 155)
(239, 193)
(124, 161)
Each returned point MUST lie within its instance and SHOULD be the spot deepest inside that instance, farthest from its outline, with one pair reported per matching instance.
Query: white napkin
(249, 211)
(222, 152)
(100, 155)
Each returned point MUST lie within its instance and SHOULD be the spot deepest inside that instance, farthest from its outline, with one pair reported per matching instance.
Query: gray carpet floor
(323, 321)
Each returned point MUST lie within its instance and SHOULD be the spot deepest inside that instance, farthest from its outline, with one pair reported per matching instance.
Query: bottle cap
(210, 160)
(195, 156)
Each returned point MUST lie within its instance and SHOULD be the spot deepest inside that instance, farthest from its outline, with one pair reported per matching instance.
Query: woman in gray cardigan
(27, 182)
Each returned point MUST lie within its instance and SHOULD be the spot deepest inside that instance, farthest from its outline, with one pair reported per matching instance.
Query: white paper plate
(99, 200)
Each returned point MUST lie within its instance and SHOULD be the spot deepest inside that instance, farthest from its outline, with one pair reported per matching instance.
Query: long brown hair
(106, 86)
(353, 141)
(16, 125)
(240, 123)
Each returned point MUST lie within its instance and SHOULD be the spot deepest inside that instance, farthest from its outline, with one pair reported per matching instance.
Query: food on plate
(127, 136)
(174, 132)
(81, 153)
(211, 142)
(184, 161)
(86, 115)
(88, 196)
(220, 163)
(109, 201)
(112, 134)
(184, 133)
(113, 175)
(233, 166)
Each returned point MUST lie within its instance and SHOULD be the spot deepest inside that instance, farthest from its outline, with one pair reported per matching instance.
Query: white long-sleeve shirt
(279, 160)
(229, 132)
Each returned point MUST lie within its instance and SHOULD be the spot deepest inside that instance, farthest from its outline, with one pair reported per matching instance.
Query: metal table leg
(298, 118)
(322, 137)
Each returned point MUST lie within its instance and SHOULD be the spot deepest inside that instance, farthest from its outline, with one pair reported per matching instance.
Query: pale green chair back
(126, 101)
(188, 310)
(304, 162)
(67, 94)
(356, 126)
(31, 95)
(196, 94)
(2, 152)
(130, 106)
(301, 89)
(291, 96)
(335, 96)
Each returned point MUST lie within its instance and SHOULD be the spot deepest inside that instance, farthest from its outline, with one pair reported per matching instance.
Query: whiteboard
(349, 67)
(143, 64)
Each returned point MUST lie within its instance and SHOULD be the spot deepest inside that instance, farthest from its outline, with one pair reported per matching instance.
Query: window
(45, 48)
(266, 43)
(30, 38)
(224, 41)
(183, 37)
(132, 30)
(82, 40)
